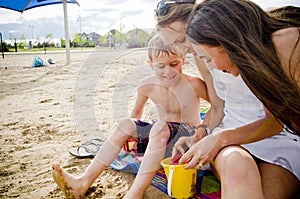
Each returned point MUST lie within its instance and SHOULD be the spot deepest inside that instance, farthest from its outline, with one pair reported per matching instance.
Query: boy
(177, 98)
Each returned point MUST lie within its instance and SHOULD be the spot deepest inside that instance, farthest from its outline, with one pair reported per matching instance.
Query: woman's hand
(184, 143)
(203, 152)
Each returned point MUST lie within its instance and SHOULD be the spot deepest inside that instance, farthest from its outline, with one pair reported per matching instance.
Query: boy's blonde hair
(157, 47)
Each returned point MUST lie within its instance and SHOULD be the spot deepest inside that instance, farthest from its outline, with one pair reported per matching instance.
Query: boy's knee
(160, 130)
(127, 126)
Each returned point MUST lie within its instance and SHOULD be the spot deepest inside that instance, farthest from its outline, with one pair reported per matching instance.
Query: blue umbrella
(22, 5)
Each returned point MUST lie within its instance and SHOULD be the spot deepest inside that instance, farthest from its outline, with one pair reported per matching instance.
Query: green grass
(47, 49)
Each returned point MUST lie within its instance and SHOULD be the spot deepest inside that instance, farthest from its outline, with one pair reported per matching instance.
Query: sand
(45, 111)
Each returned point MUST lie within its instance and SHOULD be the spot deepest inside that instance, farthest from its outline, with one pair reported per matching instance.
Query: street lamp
(80, 36)
(32, 27)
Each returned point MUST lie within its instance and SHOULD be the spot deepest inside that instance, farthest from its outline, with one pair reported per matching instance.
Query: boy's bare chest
(174, 102)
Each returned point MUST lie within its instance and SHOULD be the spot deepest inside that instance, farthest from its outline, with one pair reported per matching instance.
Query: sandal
(88, 149)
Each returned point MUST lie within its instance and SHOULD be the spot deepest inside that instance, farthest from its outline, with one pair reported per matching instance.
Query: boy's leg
(154, 153)
(77, 186)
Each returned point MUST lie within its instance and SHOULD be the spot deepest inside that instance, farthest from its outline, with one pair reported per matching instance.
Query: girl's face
(175, 34)
(167, 68)
(215, 57)
(219, 56)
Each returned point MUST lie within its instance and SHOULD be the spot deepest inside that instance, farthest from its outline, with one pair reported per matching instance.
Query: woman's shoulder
(286, 36)
(287, 45)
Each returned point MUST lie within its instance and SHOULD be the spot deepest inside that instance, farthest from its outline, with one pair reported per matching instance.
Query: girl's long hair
(245, 31)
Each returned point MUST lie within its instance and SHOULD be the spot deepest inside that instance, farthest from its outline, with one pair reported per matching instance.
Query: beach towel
(126, 162)
(207, 186)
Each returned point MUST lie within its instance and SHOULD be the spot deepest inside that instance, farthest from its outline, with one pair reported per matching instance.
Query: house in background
(94, 37)
(137, 38)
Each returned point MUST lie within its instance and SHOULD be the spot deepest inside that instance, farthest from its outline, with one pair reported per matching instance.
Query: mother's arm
(217, 105)
(252, 132)
(207, 148)
(213, 117)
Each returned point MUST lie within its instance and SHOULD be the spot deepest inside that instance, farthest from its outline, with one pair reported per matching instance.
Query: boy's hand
(175, 159)
(180, 147)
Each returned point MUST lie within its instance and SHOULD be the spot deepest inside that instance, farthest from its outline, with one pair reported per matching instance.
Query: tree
(76, 40)
(4, 46)
(22, 43)
(103, 40)
(143, 38)
(90, 43)
(83, 41)
(49, 36)
(120, 37)
(62, 41)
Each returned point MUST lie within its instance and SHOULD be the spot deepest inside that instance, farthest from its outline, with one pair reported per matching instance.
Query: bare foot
(71, 186)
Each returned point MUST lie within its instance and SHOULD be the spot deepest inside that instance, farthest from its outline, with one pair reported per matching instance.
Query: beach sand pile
(45, 111)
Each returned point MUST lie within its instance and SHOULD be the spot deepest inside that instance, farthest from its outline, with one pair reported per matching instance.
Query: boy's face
(167, 68)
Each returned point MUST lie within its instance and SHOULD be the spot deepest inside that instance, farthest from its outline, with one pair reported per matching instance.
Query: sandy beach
(45, 111)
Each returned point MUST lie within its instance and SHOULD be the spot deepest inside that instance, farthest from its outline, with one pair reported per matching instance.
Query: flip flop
(95, 141)
(88, 149)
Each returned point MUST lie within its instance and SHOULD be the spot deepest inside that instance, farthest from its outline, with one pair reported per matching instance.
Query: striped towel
(126, 162)
(207, 186)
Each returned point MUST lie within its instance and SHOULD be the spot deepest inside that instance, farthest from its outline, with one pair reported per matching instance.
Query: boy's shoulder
(195, 81)
(148, 82)
(191, 77)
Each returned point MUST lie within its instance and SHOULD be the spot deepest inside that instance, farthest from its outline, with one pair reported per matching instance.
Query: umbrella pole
(67, 40)
(2, 47)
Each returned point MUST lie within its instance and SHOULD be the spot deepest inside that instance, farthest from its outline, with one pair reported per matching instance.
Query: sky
(98, 16)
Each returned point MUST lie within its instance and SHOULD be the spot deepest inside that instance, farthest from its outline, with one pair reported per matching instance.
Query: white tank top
(241, 105)
(241, 108)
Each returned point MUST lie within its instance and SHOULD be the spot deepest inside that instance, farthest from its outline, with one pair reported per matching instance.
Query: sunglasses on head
(163, 6)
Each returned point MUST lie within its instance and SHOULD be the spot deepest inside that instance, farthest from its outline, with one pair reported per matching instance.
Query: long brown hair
(245, 31)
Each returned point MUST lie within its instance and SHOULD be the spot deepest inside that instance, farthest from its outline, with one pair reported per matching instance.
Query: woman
(262, 48)
(246, 168)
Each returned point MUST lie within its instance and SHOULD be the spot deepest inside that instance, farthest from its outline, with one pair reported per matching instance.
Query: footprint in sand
(46, 101)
